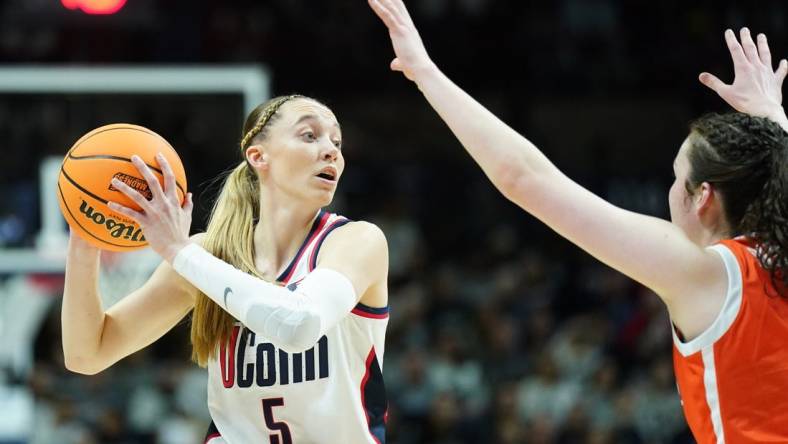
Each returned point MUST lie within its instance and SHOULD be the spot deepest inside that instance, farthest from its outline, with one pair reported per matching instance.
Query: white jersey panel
(330, 393)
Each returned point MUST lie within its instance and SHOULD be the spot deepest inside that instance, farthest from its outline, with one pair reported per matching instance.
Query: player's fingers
(170, 187)
(749, 46)
(189, 205)
(782, 69)
(396, 65)
(382, 13)
(392, 10)
(763, 50)
(737, 53)
(404, 15)
(126, 211)
(150, 178)
(712, 82)
(132, 194)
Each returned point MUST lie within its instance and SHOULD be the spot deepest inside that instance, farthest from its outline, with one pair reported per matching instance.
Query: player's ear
(257, 157)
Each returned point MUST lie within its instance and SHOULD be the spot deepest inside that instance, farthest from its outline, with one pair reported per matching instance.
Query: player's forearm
(506, 157)
(82, 314)
(291, 320)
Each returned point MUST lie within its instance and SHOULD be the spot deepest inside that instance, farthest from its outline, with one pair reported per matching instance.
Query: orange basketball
(84, 186)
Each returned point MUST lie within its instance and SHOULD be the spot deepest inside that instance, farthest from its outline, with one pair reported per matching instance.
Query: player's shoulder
(358, 244)
(359, 231)
(198, 238)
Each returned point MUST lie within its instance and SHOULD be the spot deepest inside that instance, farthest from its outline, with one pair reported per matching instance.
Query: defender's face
(682, 208)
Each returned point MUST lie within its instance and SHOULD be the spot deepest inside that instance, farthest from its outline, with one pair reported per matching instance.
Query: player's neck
(714, 233)
(278, 235)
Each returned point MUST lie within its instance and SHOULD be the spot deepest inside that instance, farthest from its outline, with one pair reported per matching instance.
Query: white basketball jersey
(331, 393)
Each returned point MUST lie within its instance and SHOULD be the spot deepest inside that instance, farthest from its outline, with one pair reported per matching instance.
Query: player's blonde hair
(230, 233)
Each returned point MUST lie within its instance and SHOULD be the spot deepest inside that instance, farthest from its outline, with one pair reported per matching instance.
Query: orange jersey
(733, 378)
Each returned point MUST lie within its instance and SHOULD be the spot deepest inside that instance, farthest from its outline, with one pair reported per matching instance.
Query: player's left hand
(411, 56)
(164, 221)
(756, 87)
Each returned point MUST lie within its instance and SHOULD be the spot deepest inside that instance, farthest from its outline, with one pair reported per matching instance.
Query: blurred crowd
(510, 342)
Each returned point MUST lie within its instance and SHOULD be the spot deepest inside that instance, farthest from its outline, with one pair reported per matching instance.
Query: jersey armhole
(728, 313)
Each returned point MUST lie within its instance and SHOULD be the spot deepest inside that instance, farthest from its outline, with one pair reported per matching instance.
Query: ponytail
(230, 232)
(230, 237)
(767, 220)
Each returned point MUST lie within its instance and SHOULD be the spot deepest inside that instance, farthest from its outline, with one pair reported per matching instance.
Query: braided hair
(745, 158)
(259, 117)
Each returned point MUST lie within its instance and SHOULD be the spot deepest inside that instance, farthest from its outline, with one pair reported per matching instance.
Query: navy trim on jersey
(373, 398)
(372, 310)
(366, 311)
(313, 259)
(212, 433)
(322, 216)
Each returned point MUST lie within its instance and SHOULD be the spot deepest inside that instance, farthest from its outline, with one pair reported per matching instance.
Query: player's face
(304, 152)
(682, 208)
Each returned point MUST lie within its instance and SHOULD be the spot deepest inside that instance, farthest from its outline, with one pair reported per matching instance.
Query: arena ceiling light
(95, 7)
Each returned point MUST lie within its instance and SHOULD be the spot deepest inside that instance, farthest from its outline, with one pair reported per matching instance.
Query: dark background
(501, 331)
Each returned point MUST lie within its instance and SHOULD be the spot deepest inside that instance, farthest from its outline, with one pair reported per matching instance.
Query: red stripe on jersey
(358, 312)
(323, 221)
(368, 366)
(212, 436)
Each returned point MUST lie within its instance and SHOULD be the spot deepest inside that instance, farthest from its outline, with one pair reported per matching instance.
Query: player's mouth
(328, 174)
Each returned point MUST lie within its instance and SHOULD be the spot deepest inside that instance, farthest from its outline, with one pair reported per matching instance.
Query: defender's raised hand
(756, 87)
(163, 220)
(411, 56)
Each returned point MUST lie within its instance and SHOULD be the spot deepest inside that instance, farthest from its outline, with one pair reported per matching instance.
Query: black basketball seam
(129, 127)
(111, 157)
(81, 141)
(133, 128)
(76, 221)
(63, 172)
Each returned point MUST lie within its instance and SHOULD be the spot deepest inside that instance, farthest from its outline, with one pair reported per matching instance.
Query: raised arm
(94, 339)
(756, 87)
(649, 250)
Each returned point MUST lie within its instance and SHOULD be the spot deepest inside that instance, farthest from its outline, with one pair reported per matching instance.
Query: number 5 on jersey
(283, 432)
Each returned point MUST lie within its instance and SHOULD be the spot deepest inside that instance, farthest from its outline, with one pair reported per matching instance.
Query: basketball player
(289, 302)
(720, 267)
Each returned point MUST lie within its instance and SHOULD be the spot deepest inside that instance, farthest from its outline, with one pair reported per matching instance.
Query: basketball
(84, 186)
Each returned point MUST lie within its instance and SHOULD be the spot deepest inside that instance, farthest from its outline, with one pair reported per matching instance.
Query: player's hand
(756, 88)
(411, 56)
(76, 242)
(163, 220)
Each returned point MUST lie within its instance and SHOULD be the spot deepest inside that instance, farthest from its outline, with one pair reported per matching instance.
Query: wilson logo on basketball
(135, 182)
(114, 228)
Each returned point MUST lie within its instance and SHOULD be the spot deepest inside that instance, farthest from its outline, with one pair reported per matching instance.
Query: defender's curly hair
(745, 159)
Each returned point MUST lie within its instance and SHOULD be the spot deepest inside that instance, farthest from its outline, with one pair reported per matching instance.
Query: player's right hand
(75, 241)
(411, 56)
(164, 220)
(756, 88)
